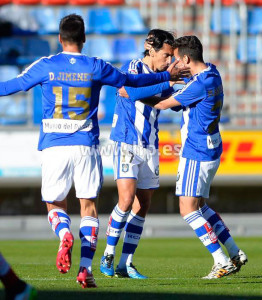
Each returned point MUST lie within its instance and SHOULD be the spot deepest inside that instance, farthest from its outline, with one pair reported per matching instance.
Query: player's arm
(162, 103)
(114, 77)
(30, 77)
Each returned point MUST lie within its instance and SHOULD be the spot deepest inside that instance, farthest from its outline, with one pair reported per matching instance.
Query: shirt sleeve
(10, 87)
(117, 78)
(192, 92)
(36, 73)
(148, 91)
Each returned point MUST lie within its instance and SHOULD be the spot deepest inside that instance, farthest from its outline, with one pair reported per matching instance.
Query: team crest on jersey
(157, 171)
(125, 168)
(72, 60)
(133, 71)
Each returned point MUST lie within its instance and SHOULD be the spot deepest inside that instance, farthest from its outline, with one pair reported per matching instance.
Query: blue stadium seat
(107, 104)
(253, 51)
(101, 20)
(125, 49)
(255, 20)
(10, 50)
(13, 111)
(99, 47)
(130, 21)
(64, 11)
(35, 49)
(224, 19)
(46, 19)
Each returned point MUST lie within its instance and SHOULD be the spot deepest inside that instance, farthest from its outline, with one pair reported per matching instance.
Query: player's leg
(194, 179)
(88, 179)
(88, 233)
(125, 173)
(238, 257)
(15, 288)
(133, 230)
(56, 183)
(148, 181)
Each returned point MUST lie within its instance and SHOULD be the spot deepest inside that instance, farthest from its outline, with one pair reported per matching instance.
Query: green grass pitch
(174, 266)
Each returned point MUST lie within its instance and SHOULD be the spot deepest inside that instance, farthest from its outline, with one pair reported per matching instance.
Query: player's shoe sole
(107, 265)
(239, 260)
(63, 259)
(85, 279)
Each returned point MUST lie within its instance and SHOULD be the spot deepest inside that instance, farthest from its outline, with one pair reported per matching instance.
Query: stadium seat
(125, 49)
(10, 50)
(3, 2)
(99, 47)
(111, 2)
(224, 20)
(13, 111)
(54, 2)
(255, 20)
(82, 2)
(64, 11)
(223, 2)
(253, 51)
(107, 104)
(101, 20)
(35, 49)
(130, 21)
(26, 2)
(46, 19)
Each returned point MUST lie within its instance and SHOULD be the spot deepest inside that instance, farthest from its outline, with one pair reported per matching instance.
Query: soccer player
(69, 133)
(136, 161)
(15, 288)
(201, 100)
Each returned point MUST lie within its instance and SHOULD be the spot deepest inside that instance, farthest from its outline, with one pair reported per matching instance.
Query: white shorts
(142, 164)
(63, 165)
(195, 177)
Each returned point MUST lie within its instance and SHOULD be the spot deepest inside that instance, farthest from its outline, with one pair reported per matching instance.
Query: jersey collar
(72, 53)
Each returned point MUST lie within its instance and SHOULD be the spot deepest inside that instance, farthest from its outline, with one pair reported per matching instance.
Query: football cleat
(129, 272)
(239, 260)
(63, 259)
(28, 293)
(107, 265)
(85, 279)
(219, 271)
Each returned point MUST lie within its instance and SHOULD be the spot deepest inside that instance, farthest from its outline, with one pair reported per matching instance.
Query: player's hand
(177, 74)
(122, 92)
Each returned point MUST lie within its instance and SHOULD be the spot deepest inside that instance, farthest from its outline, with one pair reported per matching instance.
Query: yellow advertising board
(242, 153)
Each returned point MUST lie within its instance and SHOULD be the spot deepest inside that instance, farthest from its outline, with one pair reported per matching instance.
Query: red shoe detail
(63, 259)
(85, 279)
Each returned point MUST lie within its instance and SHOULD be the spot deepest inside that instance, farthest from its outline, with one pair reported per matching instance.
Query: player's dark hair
(157, 38)
(72, 29)
(190, 46)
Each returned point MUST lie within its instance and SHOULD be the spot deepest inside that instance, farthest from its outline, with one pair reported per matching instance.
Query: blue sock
(88, 232)
(133, 230)
(206, 235)
(220, 229)
(59, 221)
(117, 222)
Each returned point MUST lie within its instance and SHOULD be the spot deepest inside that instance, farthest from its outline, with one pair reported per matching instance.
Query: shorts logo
(157, 171)
(72, 61)
(125, 168)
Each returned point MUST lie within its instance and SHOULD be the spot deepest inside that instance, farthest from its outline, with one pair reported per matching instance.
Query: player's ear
(152, 52)
(186, 59)
(59, 38)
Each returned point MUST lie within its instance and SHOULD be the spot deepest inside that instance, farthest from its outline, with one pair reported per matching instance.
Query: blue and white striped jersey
(202, 101)
(134, 122)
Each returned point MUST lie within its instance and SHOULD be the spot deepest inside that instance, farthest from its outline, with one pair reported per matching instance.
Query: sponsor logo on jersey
(178, 177)
(125, 168)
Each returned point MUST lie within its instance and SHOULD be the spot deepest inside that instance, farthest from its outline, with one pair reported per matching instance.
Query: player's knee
(125, 203)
